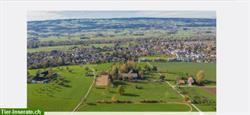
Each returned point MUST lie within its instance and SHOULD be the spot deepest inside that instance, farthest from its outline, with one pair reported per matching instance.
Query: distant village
(199, 51)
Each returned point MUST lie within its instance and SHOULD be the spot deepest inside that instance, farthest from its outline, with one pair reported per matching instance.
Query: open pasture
(54, 97)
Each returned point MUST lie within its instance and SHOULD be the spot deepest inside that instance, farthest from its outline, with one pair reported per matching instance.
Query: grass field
(193, 92)
(186, 67)
(159, 91)
(137, 107)
(149, 91)
(52, 97)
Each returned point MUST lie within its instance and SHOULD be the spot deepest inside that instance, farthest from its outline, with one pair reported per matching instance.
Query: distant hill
(70, 26)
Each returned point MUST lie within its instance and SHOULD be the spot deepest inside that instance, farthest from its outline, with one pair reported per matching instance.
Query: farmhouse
(43, 77)
(102, 81)
(130, 75)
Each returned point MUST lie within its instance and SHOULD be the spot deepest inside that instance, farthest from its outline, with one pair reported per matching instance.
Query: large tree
(114, 72)
(124, 68)
(200, 76)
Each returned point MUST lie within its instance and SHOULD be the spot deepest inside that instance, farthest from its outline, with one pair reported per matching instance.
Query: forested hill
(71, 26)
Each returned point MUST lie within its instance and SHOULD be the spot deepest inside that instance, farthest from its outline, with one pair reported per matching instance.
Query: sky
(52, 15)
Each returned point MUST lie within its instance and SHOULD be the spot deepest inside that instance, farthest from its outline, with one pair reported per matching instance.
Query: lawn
(53, 97)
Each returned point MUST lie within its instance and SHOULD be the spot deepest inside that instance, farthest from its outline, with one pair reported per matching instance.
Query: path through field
(86, 95)
(173, 87)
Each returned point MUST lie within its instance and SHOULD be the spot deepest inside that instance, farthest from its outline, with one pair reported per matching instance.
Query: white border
(232, 38)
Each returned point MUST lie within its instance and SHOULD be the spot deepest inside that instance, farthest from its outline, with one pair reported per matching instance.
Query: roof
(103, 80)
(129, 74)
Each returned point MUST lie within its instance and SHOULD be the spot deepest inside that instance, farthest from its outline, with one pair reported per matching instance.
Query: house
(102, 81)
(190, 81)
(43, 77)
(130, 75)
(40, 80)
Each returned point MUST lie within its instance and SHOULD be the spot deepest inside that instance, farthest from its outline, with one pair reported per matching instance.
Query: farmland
(122, 64)
(53, 97)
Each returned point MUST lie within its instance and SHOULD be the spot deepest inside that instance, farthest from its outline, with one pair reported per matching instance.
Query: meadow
(174, 69)
(149, 91)
(53, 97)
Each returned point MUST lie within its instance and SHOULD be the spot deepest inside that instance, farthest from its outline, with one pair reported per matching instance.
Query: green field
(137, 107)
(152, 91)
(179, 68)
(197, 91)
(149, 91)
(53, 97)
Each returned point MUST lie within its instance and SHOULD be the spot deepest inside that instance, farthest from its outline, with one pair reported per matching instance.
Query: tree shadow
(208, 82)
(130, 94)
(116, 83)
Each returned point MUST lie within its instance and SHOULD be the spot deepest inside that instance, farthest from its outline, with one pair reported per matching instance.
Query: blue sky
(51, 15)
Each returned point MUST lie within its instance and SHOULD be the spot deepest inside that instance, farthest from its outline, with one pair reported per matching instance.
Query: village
(202, 51)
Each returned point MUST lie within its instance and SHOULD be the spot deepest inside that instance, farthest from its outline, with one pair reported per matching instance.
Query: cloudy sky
(51, 15)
